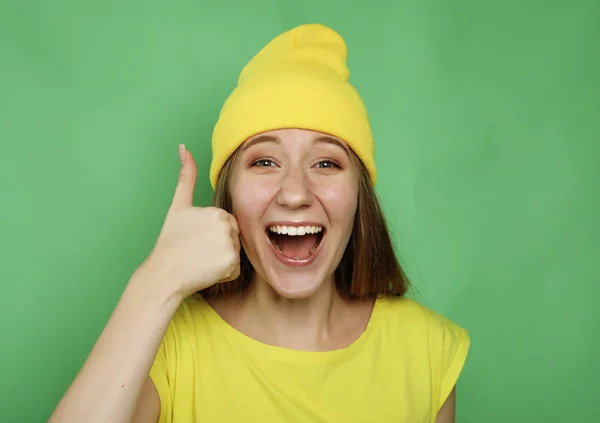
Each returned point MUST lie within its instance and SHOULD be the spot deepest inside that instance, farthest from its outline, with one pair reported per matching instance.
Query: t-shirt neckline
(261, 349)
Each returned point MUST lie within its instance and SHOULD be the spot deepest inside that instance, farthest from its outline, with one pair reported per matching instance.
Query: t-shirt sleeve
(454, 349)
(159, 374)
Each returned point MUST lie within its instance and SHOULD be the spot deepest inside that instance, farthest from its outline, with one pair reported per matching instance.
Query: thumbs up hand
(197, 246)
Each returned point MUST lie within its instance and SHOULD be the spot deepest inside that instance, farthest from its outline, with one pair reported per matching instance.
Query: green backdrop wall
(487, 121)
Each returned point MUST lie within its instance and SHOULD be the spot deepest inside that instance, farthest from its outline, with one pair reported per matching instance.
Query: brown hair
(369, 266)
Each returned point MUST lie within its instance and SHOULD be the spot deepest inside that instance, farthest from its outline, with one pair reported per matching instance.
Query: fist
(197, 246)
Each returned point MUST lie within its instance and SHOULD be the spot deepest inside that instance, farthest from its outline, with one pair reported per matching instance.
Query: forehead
(295, 137)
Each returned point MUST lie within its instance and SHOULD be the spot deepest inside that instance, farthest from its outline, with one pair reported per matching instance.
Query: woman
(284, 301)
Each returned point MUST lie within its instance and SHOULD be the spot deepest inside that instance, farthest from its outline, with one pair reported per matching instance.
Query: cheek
(249, 203)
(341, 203)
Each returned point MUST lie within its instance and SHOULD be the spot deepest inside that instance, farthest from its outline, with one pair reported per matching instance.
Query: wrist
(152, 282)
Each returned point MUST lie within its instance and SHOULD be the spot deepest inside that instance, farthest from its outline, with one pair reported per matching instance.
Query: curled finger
(235, 273)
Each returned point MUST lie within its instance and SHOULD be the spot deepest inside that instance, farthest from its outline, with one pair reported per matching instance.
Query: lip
(290, 261)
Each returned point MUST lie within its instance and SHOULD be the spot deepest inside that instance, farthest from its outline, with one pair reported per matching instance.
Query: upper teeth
(296, 230)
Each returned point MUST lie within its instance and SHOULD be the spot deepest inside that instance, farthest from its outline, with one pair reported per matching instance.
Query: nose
(294, 191)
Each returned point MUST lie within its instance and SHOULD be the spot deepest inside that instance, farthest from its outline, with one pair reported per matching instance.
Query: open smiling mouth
(296, 244)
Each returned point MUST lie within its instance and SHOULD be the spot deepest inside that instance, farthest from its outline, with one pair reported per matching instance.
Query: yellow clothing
(401, 369)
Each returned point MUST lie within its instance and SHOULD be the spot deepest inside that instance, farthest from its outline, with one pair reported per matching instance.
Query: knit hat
(298, 80)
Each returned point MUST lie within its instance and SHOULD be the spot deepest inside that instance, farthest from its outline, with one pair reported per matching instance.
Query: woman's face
(294, 195)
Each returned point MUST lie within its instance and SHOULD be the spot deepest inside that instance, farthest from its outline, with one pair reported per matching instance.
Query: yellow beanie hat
(298, 80)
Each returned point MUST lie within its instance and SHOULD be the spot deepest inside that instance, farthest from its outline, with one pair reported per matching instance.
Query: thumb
(184, 191)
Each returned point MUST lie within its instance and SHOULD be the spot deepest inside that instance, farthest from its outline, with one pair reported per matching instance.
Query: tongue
(297, 247)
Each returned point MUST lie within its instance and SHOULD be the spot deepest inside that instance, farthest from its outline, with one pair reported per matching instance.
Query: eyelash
(256, 163)
(336, 165)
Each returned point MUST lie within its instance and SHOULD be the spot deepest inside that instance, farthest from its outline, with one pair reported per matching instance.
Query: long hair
(369, 267)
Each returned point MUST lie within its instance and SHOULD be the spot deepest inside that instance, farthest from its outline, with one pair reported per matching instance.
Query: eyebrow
(270, 138)
(331, 140)
(258, 140)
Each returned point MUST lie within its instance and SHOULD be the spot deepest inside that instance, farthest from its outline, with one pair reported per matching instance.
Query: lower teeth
(296, 258)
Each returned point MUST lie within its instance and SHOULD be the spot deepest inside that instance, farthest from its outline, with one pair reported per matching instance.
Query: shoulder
(407, 309)
(408, 319)
(192, 315)
(431, 340)
(177, 354)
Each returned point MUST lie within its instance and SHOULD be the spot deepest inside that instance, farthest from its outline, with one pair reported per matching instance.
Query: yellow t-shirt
(401, 369)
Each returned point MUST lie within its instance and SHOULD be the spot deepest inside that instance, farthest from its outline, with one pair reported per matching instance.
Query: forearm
(109, 383)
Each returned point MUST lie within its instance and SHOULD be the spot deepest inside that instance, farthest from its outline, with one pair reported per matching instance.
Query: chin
(296, 287)
(293, 292)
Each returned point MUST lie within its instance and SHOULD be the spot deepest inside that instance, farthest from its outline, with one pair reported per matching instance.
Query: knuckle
(232, 257)
(184, 175)
(224, 227)
(235, 271)
(219, 213)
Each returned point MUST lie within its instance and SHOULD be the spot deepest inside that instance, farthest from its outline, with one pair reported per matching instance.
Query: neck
(306, 324)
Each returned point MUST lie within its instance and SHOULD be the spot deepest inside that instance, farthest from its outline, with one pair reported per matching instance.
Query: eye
(264, 163)
(327, 164)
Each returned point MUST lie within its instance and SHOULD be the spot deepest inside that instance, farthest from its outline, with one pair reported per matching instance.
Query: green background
(487, 122)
